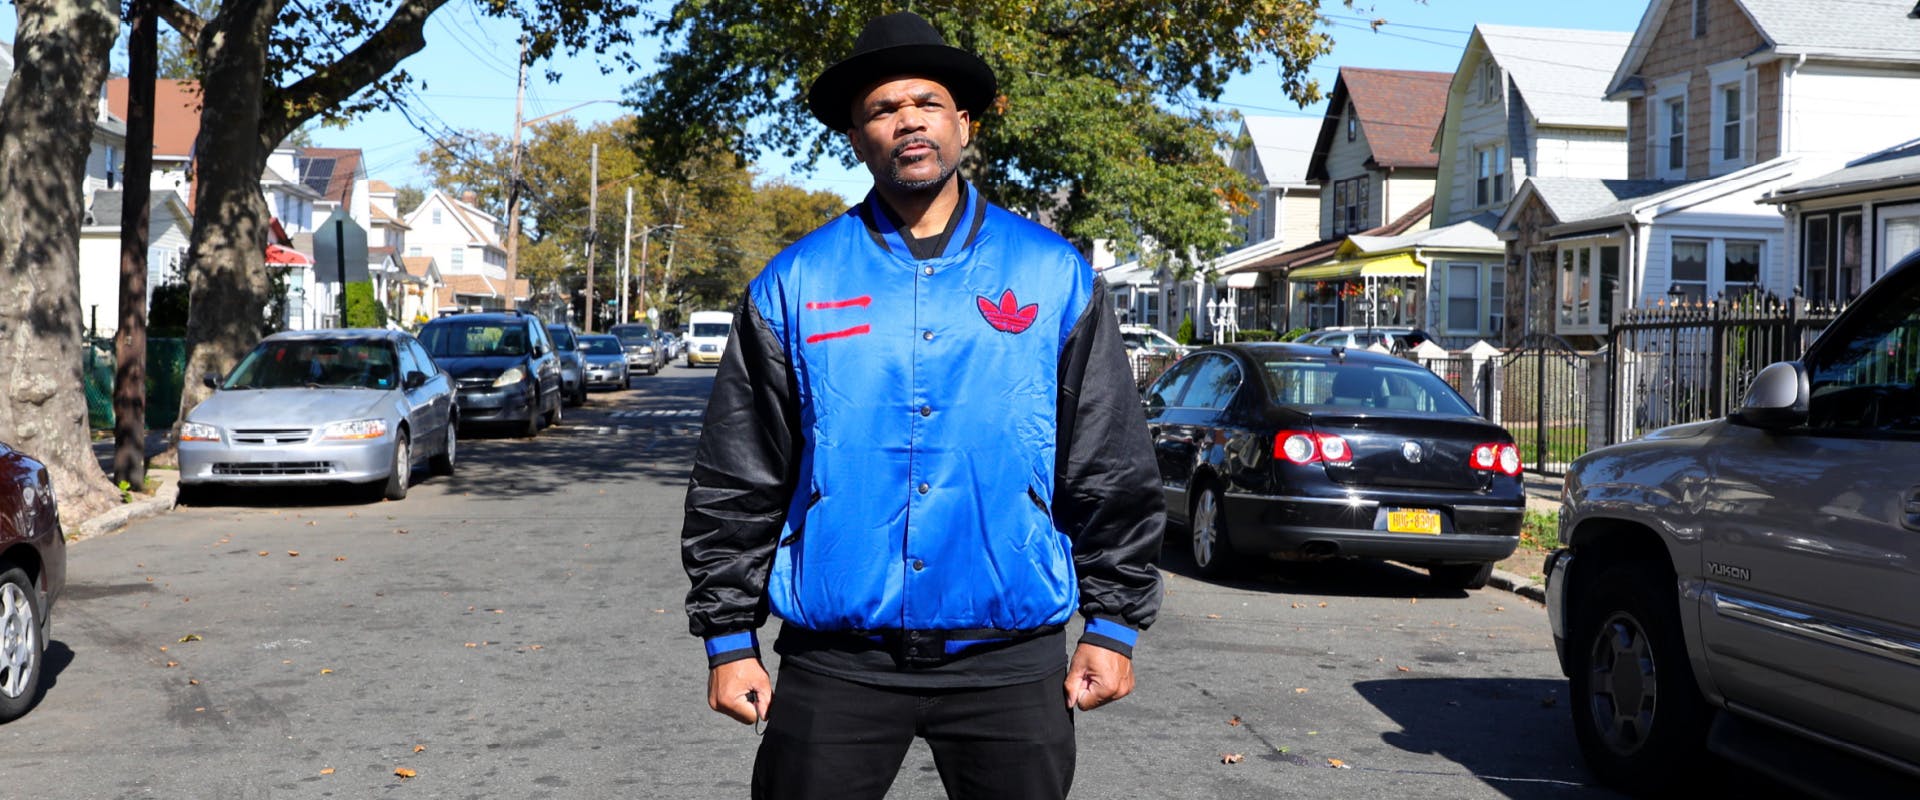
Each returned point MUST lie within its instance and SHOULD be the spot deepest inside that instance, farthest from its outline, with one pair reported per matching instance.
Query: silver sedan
(355, 406)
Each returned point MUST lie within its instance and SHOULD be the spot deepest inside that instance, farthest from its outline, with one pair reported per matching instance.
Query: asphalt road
(515, 631)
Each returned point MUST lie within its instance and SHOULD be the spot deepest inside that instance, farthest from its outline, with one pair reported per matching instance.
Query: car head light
(355, 429)
(512, 376)
(646, 351)
(196, 432)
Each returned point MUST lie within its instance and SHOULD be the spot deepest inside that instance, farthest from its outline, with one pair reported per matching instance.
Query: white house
(1284, 214)
(459, 236)
(168, 228)
(1852, 225)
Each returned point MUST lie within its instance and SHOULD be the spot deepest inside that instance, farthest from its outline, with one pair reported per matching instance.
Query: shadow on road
(1340, 577)
(1471, 722)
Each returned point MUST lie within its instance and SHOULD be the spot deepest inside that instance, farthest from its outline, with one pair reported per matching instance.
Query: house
(168, 228)
(1375, 165)
(1523, 103)
(458, 235)
(176, 123)
(420, 297)
(1851, 225)
(1284, 214)
(1727, 101)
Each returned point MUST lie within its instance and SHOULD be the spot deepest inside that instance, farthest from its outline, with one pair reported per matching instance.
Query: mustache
(916, 140)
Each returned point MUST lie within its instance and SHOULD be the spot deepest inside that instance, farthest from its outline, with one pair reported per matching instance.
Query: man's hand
(729, 683)
(1098, 676)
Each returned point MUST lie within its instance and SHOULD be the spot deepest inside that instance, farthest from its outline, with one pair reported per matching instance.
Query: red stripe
(862, 302)
(853, 331)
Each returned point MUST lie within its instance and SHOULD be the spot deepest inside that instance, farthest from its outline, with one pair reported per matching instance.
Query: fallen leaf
(313, 522)
(263, 554)
(401, 531)
(1414, 601)
(659, 611)
(191, 637)
(199, 708)
(163, 648)
(1337, 763)
(324, 671)
(404, 773)
(1213, 616)
(339, 558)
(292, 553)
(1299, 605)
(1403, 669)
(1235, 722)
(327, 771)
(193, 681)
(149, 580)
(419, 748)
(1300, 690)
(535, 646)
(1313, 733)
(1323, 605)
(499, 611)
(172, 664)
(1231, 758)
(472, 644)
(286, 661)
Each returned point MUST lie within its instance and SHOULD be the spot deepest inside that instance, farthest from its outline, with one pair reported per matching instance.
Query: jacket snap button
(919, 565)
(926, 411)
(924, 488)
(927, 335)
(929, 270)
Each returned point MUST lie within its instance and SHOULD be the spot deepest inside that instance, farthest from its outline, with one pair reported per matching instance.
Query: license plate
(1413, 521)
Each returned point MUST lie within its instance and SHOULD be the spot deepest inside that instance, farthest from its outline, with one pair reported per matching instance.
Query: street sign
(340, 250)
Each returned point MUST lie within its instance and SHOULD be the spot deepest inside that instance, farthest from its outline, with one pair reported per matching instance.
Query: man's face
(909, 133)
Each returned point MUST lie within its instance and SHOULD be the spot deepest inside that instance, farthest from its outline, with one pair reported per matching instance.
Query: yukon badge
(1008, 316)
(1412, 452)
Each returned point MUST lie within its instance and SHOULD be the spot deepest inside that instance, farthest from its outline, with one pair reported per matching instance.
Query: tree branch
(181, 19)
(287, 109)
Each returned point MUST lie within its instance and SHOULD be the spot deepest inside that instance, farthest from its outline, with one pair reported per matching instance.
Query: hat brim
(966, 77)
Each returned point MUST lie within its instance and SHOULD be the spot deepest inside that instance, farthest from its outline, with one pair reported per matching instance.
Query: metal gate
(1544, 400)
(1692, 362)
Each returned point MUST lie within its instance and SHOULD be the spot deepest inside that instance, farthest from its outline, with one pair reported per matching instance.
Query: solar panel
(316, 173)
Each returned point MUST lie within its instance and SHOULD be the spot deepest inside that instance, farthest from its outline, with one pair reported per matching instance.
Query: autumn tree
(60, 52)
(1103, 122)
(267, 67)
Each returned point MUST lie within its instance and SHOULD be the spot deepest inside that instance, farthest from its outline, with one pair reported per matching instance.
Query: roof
(1326, 248)
(176, 114)
(483, 285)
(1473, 233)
(1590, 198)
(329, 170)
(1866, 30)
(1561, 72)
(379, 186)
(1284, 147)
(1887, 169)
(109, 207)
(418, 266)
(1398, 110)
(1579, 208)
(380, 215)
(479, 224)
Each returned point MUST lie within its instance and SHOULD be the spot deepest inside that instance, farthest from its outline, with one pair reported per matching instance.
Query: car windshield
(711, 330)
(601, 345)
(1353, 385)
(457, 339)
(632, 333)
(562, 337)
(330, 364)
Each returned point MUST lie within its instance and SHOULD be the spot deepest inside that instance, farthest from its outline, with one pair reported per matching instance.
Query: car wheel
(1637, 711)
(1207, 536)
(558, 413)
(401, 472)
(444, 463)
(23, 644)
(1460, 576)
(532, 428)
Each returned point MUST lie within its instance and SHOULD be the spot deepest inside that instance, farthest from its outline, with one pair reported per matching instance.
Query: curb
(1519, 585)
(113, 520)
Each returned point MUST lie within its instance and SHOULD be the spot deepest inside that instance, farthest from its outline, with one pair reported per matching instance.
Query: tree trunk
(46, 129)
(130, 339)
(226, 263)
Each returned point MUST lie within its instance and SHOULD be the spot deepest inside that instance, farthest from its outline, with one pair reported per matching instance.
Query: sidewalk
(142, 506)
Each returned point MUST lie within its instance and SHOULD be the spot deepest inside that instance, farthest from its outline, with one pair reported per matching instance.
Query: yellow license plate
(1413, 521)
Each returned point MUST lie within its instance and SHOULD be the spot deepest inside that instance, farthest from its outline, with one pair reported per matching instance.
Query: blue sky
(468, 67)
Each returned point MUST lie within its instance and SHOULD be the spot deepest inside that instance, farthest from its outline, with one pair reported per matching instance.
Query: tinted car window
(1350, 385)
(407, 362)
(1167, 390)
(717, 330)
(1213, 384)
(421, 357)
(1867, 376)
(562, 337)
(632, 334)
(602, 345)
(455, 339)
(321, 364)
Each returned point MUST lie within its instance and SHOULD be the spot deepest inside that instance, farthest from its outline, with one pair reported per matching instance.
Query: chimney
(468, 197)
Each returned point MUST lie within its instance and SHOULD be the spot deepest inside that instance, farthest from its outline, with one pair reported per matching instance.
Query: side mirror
(1777, 400)
(210, 380)
(415, 380)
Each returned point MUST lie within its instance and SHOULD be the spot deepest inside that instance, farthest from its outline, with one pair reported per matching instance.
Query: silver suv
(1751, 585)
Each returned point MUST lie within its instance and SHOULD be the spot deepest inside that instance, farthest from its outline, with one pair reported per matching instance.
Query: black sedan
(1310, 452)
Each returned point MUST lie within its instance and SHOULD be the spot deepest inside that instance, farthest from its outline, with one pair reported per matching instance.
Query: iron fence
(1689, 362)
(166, 377)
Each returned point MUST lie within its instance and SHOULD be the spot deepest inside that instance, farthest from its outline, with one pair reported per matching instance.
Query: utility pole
(513, 186)
(626, 258)
(593, 227)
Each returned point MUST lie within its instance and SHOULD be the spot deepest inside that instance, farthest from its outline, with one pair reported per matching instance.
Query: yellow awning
(1397, 265)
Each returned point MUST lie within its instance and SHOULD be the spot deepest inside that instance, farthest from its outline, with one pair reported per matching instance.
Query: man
(923, 452)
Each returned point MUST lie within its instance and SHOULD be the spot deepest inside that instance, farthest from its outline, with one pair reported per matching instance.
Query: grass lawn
(1539, 535)
(1564, 444)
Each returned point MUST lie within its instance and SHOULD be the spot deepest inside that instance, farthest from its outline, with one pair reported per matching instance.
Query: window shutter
(1749, 117)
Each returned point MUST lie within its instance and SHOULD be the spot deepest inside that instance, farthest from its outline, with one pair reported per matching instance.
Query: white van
(707, 336)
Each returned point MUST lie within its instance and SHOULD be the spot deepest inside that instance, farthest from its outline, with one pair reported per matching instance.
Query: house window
(1677, 134)
(1497, 300)
(1589, 277)
(1463, 297)
(1899, 235)
(1730, 128)
(1339, 207)
(459, 260)
(1489, 82)
(1490, 175)
(436, 216)
(413, 251)
(1353, 123)
(1740, 261)
(1699, 18)
(1350, 211)
(1690, 268)
(1830, 264)
(112, 167)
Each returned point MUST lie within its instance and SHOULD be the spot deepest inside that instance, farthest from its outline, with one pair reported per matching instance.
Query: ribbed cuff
(730, 647)
(1111, 634)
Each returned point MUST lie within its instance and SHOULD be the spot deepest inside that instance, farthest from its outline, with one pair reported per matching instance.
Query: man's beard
(899, 181)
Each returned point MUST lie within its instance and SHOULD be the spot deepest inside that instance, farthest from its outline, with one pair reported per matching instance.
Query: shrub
(1293, 334)
(1255, 335)
(363, 311)
(1184, 334)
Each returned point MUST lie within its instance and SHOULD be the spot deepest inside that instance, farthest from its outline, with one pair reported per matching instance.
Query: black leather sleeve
(1108, 498)
(744, 473)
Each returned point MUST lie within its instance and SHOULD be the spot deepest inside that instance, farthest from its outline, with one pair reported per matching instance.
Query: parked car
(606, 361)
(573, 364)
(325, 406)
(33, 571)
(1150, 352)
(707, 336)
(503, 365)
(675, 346)
(1396, 339)
(1293, 451)
(1751, 585)
(644, 351)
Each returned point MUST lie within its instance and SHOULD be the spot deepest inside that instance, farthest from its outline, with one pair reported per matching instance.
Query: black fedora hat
(900, 44)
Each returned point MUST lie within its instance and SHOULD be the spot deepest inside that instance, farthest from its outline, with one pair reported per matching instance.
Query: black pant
(832, 738)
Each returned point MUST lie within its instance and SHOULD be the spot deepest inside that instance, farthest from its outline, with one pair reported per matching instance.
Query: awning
(287, 256)
(1397, 265)
(1244, 280)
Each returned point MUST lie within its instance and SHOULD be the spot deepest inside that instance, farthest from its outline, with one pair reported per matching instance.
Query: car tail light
(1307, 447)
(1497, 457)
